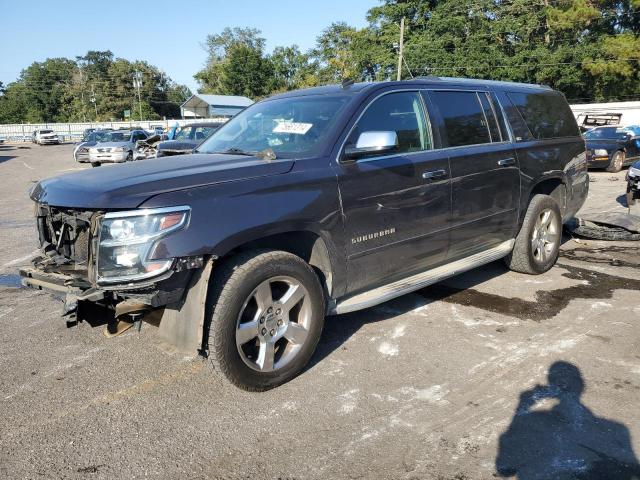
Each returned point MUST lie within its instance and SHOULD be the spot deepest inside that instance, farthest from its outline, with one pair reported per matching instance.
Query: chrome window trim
(507, 141)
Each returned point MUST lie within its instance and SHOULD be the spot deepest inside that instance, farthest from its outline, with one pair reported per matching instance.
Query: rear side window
(463, 117)
(547, 114)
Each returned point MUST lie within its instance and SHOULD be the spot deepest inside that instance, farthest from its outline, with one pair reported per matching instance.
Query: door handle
(434, 174)
(507, 162)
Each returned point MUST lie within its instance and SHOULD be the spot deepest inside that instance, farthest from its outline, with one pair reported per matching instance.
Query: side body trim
(410, 284)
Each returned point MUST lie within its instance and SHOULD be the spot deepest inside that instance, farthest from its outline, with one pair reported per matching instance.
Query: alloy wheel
(545, 236)
(273, 324)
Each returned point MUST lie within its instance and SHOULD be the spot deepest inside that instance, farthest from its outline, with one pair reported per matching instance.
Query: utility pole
(93, 100)
(137, 83)
(84, 116)
(400, 49)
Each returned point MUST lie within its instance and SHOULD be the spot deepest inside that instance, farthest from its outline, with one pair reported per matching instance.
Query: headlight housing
(600, 152)
(127, 240)
(117, 149)
(634, 172)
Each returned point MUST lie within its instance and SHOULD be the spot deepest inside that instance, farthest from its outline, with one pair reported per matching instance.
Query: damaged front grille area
(67, 240)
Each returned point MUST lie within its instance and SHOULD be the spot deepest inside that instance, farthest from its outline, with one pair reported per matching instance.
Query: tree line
(93, 87)
(588, 49)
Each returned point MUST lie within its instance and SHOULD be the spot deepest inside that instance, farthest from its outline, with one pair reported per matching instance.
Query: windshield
(291, 127)
(95, 136)
(46, 131)
(606, 134)
(116, 137)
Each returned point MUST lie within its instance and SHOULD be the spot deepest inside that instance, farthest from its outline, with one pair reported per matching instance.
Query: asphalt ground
(490, 374)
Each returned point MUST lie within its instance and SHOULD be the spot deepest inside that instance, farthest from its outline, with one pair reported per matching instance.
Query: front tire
(95, 164)
(267, 314)
(538, 243)
(617, 162)
(129, 157)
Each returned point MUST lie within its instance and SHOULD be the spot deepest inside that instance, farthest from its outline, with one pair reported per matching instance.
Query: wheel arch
(306, 244)
(555, 186)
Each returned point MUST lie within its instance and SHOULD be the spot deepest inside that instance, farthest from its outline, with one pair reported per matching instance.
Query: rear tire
(538, 243)
(267, 314)
(95, 164)
(617, 162)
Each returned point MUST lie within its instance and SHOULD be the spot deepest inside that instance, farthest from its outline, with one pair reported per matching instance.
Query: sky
(167, 34)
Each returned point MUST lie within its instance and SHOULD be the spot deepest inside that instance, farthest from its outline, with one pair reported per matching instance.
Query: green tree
(236, 64)
(62, 90)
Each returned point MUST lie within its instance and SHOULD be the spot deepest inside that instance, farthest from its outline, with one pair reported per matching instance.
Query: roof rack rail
(426, 77)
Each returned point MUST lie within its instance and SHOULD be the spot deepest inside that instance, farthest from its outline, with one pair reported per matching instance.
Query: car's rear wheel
(537, 245)
(267, 316)
(617, 162)
(95, 164)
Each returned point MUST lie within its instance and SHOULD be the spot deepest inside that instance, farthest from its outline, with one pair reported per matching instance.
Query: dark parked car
(612, 147)
(321, 201)
(186, 139)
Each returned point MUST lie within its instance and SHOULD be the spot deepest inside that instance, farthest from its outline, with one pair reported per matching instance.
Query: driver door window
(401, 113)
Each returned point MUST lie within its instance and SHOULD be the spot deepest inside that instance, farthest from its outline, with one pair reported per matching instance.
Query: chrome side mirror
(372, 143)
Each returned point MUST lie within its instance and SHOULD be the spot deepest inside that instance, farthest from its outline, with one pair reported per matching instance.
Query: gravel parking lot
(486, 374)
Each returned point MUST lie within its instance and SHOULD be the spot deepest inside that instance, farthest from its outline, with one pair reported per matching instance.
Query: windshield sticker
(293, 127)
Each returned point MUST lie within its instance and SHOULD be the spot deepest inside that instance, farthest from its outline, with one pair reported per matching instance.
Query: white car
(45, 136)
(116, 147)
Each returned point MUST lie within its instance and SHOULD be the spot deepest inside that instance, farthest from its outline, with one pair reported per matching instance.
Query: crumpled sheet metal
(615, 219)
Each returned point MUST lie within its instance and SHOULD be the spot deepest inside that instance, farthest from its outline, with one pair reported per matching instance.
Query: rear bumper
(48, 141)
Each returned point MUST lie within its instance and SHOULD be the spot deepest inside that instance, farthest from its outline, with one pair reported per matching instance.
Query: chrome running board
(410, 284)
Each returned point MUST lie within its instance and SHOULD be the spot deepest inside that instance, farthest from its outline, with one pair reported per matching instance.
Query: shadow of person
(566, 441)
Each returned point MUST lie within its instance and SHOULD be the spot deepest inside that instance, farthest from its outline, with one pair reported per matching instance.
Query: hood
(87, 144)
(128, 185)
(178, 145)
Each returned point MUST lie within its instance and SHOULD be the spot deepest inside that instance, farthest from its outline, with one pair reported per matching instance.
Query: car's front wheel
(95, 164)
(267, 314)
(537, 245)
(129, 156)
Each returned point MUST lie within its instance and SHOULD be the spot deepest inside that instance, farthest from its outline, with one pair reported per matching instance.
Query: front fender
(225, 216)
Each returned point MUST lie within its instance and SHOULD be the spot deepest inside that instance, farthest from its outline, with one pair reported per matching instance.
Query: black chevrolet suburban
(311, 203)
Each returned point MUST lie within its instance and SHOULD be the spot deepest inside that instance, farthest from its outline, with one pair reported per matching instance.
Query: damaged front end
(110, 259)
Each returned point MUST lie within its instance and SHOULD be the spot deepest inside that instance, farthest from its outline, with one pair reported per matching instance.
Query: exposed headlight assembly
(600, 152)
(127, 240)
(634, 172)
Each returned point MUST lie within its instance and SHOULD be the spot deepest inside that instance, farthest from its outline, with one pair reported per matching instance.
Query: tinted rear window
(547, 114)
(464, 120)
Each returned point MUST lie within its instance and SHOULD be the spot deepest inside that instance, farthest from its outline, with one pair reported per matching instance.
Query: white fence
(68, 132)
